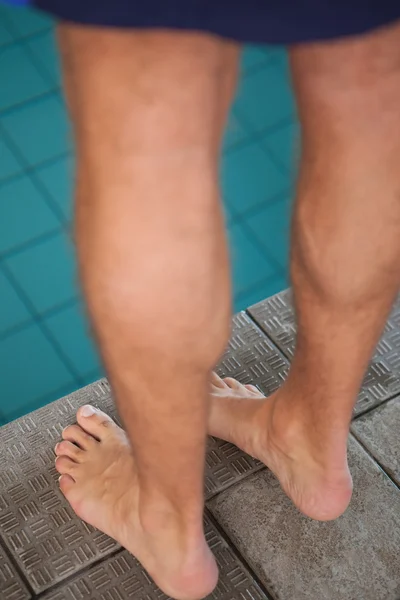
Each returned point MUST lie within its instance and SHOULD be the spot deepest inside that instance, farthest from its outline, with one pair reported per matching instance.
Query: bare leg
(345, 268)
(148, 111)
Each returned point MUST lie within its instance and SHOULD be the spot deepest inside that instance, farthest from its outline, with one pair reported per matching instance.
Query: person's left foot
(319, 485)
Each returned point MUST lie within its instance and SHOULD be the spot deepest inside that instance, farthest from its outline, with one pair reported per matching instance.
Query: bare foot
(321, 488)
(99, 481)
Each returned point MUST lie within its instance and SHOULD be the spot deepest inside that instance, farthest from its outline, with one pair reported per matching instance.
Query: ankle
(295, 425)
(158, 513)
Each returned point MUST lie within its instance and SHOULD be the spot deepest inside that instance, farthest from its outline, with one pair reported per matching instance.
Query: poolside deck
(264, 547)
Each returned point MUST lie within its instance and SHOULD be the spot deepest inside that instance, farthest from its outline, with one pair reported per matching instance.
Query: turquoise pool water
(45, 347)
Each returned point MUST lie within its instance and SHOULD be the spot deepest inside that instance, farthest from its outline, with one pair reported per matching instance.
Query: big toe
(94, 421)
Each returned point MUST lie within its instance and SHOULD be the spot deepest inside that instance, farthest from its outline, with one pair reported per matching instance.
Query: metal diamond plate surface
(276, 317)
(122, 577)
(250, 358)
(36, 523)
(382, 379)
(11, 586)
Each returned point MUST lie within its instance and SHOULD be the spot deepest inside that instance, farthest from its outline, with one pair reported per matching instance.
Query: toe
(76, 435)
(217, 382)
(65, 466)
(70, 450)
(94, 421)
(66, 483)
(252, 388)
(233, 384)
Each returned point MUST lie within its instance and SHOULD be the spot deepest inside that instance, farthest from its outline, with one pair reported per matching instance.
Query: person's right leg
(345, 269)
(148, 111)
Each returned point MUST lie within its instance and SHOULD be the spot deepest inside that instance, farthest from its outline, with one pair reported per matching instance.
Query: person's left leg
(148, 110)
(345, 269)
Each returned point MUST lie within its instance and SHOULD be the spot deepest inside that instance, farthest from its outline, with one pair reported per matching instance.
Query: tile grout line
(367, 411)
(260, 247)
(32, 243)
(24, 38)
(241, 219)
(9, 110)
(13, 31)
(17, 568)
(237, 217)
(277, 198)
(228, 486)
(40, 66)
(43, 164)
(54, 311)
(238, 555)
(80, 572)
(15, 329)
(47, 198)
(256, 68)
(258, 135)
(41, 324)
(42, 401)
(259, 286)
(375, 460)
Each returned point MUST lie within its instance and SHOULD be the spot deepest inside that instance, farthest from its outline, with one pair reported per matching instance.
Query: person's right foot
(320, 487)
(98, 479)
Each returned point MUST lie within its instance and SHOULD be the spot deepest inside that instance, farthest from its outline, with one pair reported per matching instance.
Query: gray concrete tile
(355, 557)
(382, 380)
(11, 585)
(379, 431)
(122, 577)
(37, 524)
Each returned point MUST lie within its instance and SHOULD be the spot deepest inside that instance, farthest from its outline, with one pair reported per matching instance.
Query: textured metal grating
(226, 465)
(382, 379)
(36, 523)
(276, 317)
(11, 586)
(250, 358)
(122, 577)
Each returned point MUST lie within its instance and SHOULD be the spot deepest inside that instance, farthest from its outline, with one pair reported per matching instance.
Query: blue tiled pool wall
(45, 345)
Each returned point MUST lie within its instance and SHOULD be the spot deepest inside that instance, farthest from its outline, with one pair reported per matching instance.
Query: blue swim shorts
(253, 21)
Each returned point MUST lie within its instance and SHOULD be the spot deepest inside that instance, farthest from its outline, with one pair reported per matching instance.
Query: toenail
(87, 411)
(56, 446)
